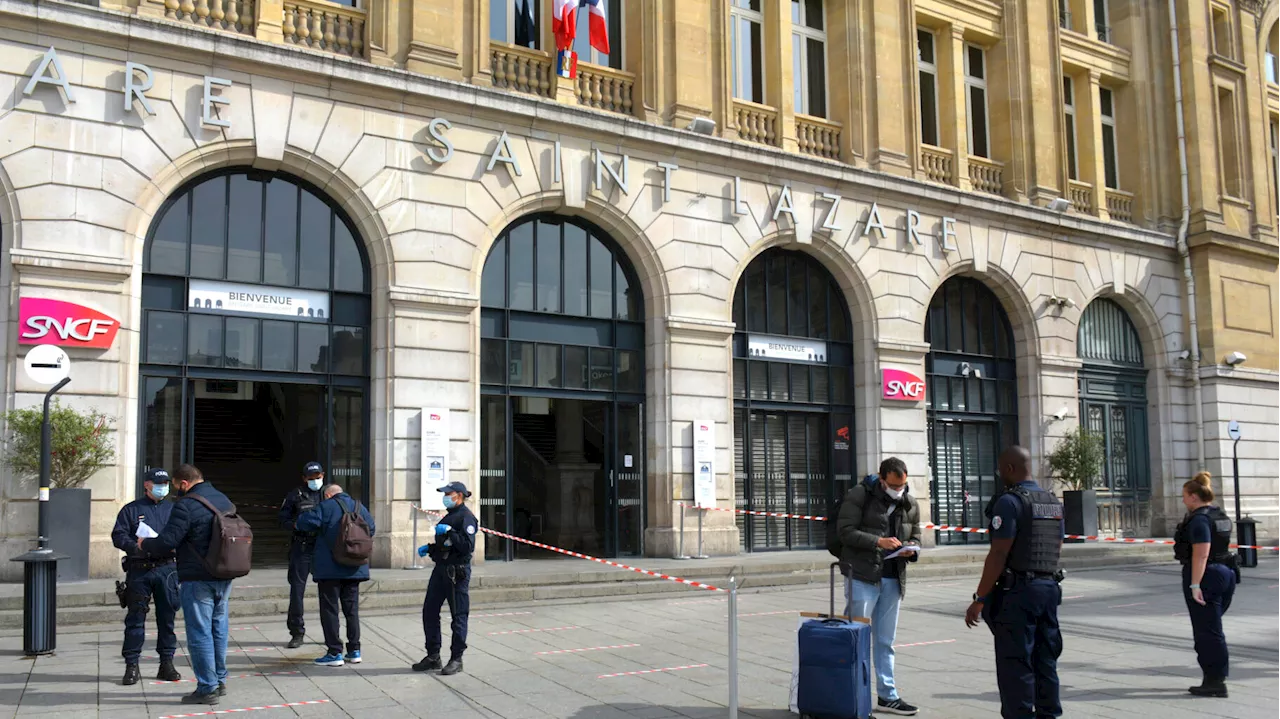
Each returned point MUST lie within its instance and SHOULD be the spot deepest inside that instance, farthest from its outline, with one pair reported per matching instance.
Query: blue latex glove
(442, 529)
(422, 551)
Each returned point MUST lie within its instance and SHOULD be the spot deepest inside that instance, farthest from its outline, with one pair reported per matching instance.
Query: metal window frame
(1069, 112)
(737, 46)
(1108, 121)
(802, 31)
(930, 69)
(978, 83)
(592, 55)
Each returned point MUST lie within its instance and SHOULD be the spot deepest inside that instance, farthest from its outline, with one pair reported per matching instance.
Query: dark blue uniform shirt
(456, 546)
(125, 534)
(1200, 529)
(1006, 512)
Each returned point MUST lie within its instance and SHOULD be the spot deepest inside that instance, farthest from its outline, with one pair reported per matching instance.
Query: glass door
(628, 487)
(964, 470)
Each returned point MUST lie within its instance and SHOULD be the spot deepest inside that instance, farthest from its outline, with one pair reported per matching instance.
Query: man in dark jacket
(877, 519)
(204, 597)
(302, 546)
(339, 584)
(147, 576)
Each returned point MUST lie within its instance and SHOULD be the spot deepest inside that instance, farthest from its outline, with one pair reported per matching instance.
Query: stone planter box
(1081, 512)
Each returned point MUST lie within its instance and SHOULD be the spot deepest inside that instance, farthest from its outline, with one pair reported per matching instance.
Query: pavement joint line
(245, 709)
(530, 631)
(585, 649)
(241, 676)
(499, 614)
(181, 653)
(1125, 606)
(767, 614)
(645, 671)
(1077, 596)
(924, 644)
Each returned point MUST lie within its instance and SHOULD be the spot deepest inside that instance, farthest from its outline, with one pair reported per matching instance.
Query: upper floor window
(926, 61)
(613, 24)
(1275, 142)
(975, 81)
(1110, 158)
(1069, 114)
(809, 57)
(1102, 19)
(747, 49)
(514, 22)
(1222, 40)
(1273, 65)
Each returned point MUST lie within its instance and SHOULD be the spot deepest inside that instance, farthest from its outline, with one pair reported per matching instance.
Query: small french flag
(599, 25)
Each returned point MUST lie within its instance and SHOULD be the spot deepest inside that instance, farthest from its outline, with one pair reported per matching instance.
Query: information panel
(704, 463)
(435, 456)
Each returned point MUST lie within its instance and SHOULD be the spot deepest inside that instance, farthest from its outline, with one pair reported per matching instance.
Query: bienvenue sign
(228, 297)
(138, 78)
(793, 349)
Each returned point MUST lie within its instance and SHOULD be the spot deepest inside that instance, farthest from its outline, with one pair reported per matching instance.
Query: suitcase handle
(833, 589)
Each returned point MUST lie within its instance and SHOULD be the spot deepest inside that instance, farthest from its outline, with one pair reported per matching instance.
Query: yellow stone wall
(677, 68)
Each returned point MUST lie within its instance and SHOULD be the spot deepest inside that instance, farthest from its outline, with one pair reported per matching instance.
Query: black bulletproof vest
(1220, 542)
(1038, 543)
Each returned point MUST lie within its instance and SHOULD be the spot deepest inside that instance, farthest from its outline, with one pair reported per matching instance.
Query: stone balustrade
(986, 175)
(1120, 205)
(520, 69)
(604, 88)
(229, 15)
(818, 137)
(1081, 196)
(936, 164)
(324, 26)
(756, 123)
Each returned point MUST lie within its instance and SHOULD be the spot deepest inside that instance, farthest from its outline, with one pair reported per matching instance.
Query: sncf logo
(901, 385)
(54, 322)
(703, 427)
(435, 418)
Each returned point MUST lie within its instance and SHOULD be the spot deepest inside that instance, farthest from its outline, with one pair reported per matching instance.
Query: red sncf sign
(901, 385)
(54, 322)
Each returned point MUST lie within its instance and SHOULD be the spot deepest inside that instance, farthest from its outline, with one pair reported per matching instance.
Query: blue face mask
(449, 502)
(159, 491)
(314, 484)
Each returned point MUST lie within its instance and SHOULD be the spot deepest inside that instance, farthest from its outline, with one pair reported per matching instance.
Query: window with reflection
(560, 309)
(266, 235)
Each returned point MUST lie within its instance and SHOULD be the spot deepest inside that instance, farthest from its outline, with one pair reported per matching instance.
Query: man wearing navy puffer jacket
(338, 584)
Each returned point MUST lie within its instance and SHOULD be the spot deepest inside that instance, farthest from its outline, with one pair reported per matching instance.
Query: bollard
(733, 648)
(414, 553)
(1247, 533)
(680, 550)
(700, 555)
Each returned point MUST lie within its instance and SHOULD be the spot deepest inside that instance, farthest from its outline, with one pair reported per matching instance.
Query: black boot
(453, 667)
(131, 675)
(295, 641)
(1211, 687)
(429, 663)
(222, 689)
(167, 673)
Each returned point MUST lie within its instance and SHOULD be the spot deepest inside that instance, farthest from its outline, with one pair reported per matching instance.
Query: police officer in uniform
(147, 576)
(450, 580)
(1202, 543)
(1019, 593)
(302, 547)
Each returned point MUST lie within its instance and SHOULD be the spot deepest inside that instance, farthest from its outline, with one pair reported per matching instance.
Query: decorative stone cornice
(1253, 6)
(694, 327)
(414, 298)
(61, 264)
(901, 350)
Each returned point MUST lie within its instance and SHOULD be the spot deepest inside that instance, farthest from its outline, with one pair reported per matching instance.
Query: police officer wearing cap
(147, 576)
(1019, 593)
(450, 580)
(1202, 543)
(302, 547)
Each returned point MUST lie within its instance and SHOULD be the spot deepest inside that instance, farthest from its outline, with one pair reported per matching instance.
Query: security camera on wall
(1061, 414)
(1235, 358)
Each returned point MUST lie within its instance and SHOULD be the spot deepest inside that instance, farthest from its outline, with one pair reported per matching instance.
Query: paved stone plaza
(1128, 654)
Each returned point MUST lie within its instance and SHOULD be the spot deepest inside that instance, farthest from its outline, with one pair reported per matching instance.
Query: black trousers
(300, 555)
(1024, 622)
(456, 590)
(160, 583)
(344, 594)
(1218, 586)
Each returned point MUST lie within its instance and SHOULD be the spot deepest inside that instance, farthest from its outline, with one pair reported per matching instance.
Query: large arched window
(793, 397)
(1113, 404)
(562, 379)
(971, 402)
(255, 341)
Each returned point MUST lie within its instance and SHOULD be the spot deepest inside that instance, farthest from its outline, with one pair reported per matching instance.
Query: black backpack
(834, 545)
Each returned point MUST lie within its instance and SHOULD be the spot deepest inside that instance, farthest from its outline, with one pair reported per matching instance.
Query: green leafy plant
(80, 444)
(1077, 460)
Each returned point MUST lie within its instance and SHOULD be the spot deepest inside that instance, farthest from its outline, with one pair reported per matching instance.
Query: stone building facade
(891, 190)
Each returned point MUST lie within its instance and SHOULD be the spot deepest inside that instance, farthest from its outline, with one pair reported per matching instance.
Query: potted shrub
(1076, 463)
(80, 445)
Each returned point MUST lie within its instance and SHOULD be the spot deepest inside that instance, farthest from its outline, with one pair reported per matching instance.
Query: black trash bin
(1247, 534)
(39, 601)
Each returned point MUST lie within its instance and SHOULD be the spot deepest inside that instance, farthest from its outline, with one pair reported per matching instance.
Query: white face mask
(159, 491)
(314, 484)
(895, 493)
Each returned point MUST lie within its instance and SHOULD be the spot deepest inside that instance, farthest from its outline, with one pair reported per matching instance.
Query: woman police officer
(1202, 543)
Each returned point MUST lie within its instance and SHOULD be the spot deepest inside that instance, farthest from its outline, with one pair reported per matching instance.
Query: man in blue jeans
(204, 598)
(878, 518)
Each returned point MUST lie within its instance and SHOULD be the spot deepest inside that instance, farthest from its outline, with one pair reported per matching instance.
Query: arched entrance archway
(1113, 403)
(562, 385)
(255, 342)
(793, 418)
(972, 401)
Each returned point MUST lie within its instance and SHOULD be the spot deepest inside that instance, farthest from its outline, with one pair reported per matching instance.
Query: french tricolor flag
(564, 22)
(599, 26)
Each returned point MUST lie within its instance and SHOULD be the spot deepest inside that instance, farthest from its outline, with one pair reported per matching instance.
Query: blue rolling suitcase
(835, 666)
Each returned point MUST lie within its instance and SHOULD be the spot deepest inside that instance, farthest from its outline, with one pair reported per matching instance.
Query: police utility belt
(1011, 576)
(130, 564)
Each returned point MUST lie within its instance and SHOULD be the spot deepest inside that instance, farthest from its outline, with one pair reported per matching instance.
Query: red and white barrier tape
(980, 530)
(245, 709)
(241, 676)
(579, 555)
(585, 649)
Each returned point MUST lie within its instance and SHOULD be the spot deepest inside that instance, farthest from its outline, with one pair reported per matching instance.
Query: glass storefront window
(548, 366)
(313, 347)
(165, 332)
(278, 346)
(347, 350)
(242, 343)
(204, 341)
(520, 372)
(244, 236)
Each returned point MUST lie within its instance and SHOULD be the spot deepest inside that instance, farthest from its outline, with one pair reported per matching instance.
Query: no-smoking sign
(47, 364)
